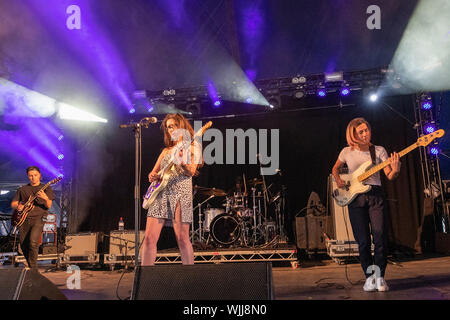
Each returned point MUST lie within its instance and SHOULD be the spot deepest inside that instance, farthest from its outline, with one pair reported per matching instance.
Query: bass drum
(225, 229)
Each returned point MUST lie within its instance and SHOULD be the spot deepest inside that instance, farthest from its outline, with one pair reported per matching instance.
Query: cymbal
(211, 192)
(200, 188)
(255, 182)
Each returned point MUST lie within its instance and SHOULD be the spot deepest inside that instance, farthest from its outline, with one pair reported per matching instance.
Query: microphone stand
(137, 128)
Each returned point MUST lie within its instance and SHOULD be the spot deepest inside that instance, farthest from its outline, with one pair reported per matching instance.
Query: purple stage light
(434, 151)
(345, 92)
(249, 100)
(321, 93)
(60, 138)
(60, 156)
(429, 128)
(132, 110)
(214, 95)
(92, 45)
(426, 105)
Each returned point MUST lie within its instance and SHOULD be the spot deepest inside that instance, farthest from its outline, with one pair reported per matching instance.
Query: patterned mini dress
(178, 189)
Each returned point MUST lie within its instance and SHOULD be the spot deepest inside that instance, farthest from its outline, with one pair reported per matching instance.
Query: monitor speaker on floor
(228, 281)
(27, 284)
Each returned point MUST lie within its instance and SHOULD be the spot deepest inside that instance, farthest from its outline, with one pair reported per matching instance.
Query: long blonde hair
(352, 137)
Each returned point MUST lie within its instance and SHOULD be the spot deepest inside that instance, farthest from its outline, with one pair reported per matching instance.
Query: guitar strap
(372, 154)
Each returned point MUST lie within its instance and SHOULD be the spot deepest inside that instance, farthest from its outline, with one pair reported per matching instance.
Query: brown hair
(352, 138)
(183, 123)
(33, 168)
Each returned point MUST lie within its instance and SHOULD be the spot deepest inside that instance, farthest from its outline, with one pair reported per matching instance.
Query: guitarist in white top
(366, 209)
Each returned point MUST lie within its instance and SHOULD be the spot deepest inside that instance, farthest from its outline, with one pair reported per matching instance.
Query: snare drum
(210, 214)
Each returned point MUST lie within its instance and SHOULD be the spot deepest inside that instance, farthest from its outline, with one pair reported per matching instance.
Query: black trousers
(367, 218)
(29, 233)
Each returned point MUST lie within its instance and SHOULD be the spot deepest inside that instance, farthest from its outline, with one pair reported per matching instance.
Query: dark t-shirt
(24, 192)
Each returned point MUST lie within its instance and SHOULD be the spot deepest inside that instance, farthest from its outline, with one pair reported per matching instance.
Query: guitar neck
(384, 164)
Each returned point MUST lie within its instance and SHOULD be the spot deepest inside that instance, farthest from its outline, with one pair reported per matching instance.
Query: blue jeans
(366, 213)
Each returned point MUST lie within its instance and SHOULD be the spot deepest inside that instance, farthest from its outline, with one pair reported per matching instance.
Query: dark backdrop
(310, 141)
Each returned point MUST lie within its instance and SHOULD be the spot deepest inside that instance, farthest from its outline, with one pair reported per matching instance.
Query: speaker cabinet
(27, 284)
(342, 227)
(310, 232)
(228, 281)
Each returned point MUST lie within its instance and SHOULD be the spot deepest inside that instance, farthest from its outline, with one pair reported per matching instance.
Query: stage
(425, 277)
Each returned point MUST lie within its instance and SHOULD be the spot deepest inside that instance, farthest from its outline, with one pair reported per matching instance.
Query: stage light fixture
(60, 156)
(274, 102)
(373, 97)
(345, 91)
(169, 92)
(426, 105)
(217, 103)
(334, 76)
(321, 92)
(298, 79)
(434, 150)
(132, 110)
(140, 94)
(430, 128)
(299, 94)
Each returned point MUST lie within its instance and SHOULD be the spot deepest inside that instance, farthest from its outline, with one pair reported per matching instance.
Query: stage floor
(419, 278)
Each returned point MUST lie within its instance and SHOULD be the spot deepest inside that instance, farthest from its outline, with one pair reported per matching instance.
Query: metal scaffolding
(427, 120)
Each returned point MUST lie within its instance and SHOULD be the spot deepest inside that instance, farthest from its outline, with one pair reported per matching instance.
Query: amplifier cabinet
(82, 248)
(310, 232)
(122, 247)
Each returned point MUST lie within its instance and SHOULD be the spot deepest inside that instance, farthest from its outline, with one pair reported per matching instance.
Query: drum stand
(199, 231)
(279, 210)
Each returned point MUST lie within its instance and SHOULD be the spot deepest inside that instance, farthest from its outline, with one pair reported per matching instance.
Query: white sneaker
(382, 285)
(370, 284)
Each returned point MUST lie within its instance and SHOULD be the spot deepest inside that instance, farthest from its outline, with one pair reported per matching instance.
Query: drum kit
(241, 220)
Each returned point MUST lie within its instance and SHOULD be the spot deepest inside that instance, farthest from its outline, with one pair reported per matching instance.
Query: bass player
(366, 210)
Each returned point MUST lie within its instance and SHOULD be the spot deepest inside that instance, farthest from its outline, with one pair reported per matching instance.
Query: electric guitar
(19, 216)
(166, 172)
(354, 182)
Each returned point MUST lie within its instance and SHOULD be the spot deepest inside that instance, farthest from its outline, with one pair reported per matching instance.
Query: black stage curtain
(310, 141)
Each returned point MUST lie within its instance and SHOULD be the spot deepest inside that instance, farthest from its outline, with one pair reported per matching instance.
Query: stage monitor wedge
(27, 284)
(227, 281)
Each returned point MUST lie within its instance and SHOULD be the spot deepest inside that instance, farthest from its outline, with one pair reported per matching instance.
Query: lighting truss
(286, 86)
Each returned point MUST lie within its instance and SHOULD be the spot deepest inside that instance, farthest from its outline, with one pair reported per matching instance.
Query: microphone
(150, 120)
(145, 121)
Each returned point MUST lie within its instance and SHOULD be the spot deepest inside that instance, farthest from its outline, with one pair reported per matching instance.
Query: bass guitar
(19, 216)
(354, 182)
(166, 172)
